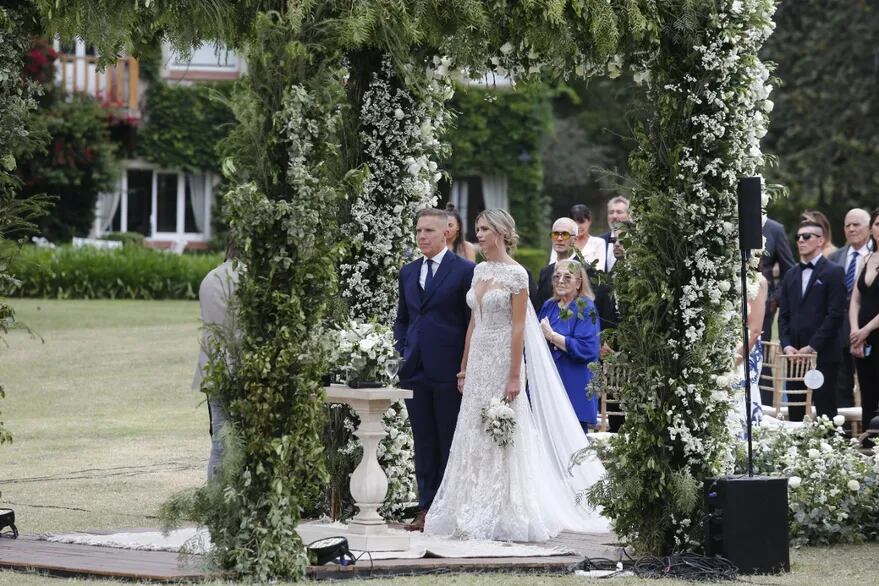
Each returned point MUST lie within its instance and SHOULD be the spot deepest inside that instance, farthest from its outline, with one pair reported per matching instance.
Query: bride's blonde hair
(503, 223)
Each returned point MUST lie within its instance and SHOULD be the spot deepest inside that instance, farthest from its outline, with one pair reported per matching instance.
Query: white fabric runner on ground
(193, 540)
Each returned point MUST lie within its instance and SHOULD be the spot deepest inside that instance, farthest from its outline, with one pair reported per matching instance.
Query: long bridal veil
(558, 434)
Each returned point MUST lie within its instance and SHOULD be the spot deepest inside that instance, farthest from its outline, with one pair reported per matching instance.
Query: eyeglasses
(807, 236)
(563, 278)
(563, 235)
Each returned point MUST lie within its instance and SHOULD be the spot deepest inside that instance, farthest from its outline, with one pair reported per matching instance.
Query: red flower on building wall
(40, 62)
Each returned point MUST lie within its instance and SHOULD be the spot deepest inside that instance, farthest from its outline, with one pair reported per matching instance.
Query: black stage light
(7, 519)
(330, 549)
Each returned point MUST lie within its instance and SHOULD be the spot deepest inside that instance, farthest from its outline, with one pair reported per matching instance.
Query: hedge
(130, 272)
(533, 259)
(134, 272)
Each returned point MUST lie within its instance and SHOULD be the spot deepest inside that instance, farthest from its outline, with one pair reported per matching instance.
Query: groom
(432, 319)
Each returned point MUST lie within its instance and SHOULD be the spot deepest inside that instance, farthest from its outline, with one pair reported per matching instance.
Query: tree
(17, 139)
(81, 160)
(586, 159)
(825, 125)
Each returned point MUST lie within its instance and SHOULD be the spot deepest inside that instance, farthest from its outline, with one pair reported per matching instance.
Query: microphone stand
(746, 254)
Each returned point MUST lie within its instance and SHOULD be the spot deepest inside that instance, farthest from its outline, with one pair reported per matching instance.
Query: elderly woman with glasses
(571, 327)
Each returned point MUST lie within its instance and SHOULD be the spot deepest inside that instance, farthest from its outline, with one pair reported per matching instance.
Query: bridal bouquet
(499, 420)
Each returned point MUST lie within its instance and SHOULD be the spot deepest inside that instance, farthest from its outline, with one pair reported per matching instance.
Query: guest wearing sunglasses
(811, 310)
(592, 248)
(570, 325)
(563, 235)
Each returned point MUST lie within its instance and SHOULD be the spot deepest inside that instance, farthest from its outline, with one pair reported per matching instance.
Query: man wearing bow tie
(429, 332)
(811, 310)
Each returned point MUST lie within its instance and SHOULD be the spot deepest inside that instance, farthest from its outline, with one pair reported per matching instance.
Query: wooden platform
(65, 559)
(68, 559)
(593, 546)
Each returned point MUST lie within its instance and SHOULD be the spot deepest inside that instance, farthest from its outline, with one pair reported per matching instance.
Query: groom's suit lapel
(413, 288)
(441, 273)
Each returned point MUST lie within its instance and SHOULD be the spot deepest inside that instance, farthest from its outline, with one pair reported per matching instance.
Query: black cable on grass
(687, 566)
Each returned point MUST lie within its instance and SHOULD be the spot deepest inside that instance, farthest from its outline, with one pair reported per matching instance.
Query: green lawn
(106, 428)
(104, 422)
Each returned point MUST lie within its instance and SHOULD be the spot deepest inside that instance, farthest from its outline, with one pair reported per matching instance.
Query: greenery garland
(678, 330)
(675, 289)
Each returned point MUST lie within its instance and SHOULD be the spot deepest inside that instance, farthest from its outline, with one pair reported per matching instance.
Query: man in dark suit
(811, 308)
(857, 235)
(778, 251)
(617, 213)
(431, 325)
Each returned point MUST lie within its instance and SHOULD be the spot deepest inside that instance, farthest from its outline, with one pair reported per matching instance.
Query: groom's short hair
(431, 213)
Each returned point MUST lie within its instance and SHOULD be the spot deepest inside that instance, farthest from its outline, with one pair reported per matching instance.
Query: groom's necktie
(850, 273)
(429, 279)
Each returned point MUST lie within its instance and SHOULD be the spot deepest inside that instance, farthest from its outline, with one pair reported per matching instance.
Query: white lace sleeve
(517, 279)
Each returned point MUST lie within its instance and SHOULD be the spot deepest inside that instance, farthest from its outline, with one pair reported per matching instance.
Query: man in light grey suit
(857, 236)
(215, 295)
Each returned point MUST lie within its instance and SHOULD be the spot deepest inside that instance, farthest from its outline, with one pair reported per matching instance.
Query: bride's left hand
(514, 386)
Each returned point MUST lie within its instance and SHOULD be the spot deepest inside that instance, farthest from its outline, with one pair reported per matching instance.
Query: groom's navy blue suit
(429, 331)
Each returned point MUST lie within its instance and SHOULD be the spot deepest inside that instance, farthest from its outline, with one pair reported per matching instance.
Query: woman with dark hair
(455, 240)
(863, 317)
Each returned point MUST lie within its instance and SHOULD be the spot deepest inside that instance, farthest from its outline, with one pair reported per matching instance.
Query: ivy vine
(501, 132)
(185, 124)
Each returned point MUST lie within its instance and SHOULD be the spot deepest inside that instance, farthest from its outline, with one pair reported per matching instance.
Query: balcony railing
(117, 85)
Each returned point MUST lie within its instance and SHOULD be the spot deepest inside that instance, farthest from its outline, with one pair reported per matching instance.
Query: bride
(523, 491)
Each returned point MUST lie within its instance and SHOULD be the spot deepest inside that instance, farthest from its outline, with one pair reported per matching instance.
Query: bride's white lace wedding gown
(521, 492)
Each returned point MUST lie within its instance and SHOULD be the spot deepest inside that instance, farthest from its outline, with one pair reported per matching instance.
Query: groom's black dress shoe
(417, 523)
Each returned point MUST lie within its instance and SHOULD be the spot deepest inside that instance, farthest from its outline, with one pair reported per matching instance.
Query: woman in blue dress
(571, 328)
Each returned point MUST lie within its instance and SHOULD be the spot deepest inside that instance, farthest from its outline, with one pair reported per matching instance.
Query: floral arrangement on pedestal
(833, 487)
(362, 348)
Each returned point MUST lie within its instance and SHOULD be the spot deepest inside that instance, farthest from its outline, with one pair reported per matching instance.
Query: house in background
(495, 160)
(170, 207)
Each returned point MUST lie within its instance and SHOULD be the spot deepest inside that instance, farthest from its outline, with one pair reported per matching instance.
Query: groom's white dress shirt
(422, 277)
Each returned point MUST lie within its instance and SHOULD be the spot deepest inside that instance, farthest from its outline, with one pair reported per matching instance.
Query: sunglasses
(807, 236)
(563, 235)
(563, 278)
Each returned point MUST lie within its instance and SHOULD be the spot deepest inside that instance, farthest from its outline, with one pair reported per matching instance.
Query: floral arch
(339, 137)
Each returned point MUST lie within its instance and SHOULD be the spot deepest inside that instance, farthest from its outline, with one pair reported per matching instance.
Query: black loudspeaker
(746, 522)
(750, 213)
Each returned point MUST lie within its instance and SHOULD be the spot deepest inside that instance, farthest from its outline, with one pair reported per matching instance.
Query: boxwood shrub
(131, 272)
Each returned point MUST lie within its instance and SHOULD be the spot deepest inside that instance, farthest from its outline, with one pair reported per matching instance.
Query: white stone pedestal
(367, 531)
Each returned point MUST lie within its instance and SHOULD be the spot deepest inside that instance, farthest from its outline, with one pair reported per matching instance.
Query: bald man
(857, 236)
